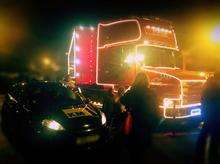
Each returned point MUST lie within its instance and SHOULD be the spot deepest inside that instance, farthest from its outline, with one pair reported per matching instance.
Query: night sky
(30, 29)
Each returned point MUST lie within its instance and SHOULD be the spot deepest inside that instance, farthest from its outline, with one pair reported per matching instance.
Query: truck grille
(182, 112)
(192, 92)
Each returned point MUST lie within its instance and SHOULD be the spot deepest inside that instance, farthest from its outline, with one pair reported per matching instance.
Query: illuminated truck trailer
(112, 53)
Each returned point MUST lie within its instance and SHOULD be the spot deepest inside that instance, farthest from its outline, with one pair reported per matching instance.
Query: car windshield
(160, 57)
(56, 93)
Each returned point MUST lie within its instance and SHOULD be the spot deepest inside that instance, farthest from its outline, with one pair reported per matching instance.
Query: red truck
(112, 53)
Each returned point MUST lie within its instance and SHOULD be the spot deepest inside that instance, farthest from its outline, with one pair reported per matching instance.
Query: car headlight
(52, 124)
(103, 118)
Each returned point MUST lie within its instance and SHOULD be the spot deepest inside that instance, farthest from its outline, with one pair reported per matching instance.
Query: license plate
(87, 139)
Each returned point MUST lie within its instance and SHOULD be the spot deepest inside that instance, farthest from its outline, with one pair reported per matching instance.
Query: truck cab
(112, 53)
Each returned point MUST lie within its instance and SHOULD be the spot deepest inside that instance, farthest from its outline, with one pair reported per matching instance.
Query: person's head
(141, 80)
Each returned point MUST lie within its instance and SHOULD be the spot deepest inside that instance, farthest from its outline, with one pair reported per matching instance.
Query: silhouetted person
(211, 118)
(140, 100)
(117, 103)
(118, 112)
(108, 105)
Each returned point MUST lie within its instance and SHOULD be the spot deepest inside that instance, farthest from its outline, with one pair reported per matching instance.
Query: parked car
(50, 114)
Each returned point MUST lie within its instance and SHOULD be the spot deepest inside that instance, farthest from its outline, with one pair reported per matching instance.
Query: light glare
(103, 118)
(52, 124)
(77, 62)
(77, 48)
(216, 34)
(195, 112)
(77, 74)
(92, 28)
(81, 27)
(139, 58)
(129, 59)
(168, 103)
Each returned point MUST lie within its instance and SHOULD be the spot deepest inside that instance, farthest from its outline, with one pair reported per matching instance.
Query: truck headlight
(103, 118)
(195, 112)
(52, 124)
(167, 103)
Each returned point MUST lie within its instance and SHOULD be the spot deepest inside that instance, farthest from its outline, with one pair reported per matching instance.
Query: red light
(86, 54)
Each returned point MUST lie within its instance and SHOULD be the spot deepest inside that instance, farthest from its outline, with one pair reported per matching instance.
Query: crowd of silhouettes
(140, 105)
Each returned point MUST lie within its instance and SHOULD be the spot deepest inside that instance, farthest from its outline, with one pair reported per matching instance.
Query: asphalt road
(170, 149)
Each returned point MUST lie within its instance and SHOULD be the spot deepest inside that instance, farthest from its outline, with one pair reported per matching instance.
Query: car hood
(81, 117)
(76, 117)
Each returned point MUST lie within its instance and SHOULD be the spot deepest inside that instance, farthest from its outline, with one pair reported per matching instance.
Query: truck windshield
(118, 32)
(160, 57)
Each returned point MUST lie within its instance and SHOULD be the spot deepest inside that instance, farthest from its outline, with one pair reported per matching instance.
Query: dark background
(33, 30)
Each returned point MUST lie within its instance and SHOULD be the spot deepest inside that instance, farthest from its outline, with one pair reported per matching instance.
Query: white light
(79, 89)
(168, 103)
(153, 27)
(103, 118)
(76, 35)
(77, 62)
(92, 28)
(139, 58)
(81, 27)
(146, 42)
(148, 27)
(202, 74)
(77, 48)
(195, 112)
(52, 124)
(129, 59)
(77, 74)
(216, 34)
(12, 98)
(157, 29)
(166, 30)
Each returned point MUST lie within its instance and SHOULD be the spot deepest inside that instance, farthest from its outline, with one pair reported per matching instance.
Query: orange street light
(46, 61)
